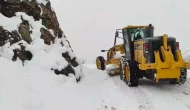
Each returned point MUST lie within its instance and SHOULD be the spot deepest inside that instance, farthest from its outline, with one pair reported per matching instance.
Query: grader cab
(144, 55)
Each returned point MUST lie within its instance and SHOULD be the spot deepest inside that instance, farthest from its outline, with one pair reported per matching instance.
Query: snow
(148, 95)
(186, 56)
(52, 33)
(6, 52)
(44, 2)
(34, 88)
(40, 10)
(7, 23)
(118, 54)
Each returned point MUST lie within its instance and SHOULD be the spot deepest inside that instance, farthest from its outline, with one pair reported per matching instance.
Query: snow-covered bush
(83, 61)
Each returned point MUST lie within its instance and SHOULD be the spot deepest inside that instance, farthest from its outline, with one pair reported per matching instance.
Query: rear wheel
(122, 68)
(183, 76)
(133, 79)
(100, 63)
(129, 72)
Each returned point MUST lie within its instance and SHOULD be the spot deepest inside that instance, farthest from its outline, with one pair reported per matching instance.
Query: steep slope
(34, 54)
(29, 31)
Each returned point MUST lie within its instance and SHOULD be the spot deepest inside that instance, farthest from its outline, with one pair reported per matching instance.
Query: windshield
(137, 33)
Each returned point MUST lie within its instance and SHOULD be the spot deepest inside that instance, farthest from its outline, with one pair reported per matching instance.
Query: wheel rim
(121, 71)
(128, 81)
(98, 63)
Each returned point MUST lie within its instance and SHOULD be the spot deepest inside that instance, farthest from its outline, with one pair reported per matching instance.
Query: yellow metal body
(138, 52)
(112, 52)
(98, 63)
(131, 26)
(120, 48)
(169, 68)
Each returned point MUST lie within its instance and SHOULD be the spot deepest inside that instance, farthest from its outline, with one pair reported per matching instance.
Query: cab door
(127, 44)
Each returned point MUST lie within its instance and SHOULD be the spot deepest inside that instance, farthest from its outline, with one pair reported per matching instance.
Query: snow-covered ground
(31, 88)
(149, 95)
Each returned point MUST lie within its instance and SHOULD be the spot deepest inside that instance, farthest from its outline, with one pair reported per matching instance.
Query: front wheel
(101, 63)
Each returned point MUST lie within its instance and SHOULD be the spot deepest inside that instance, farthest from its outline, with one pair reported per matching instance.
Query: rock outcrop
(50, 31)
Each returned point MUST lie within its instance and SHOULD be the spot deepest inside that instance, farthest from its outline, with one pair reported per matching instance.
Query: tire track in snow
(178, 92)
(144, 91)
(141, 95)
(144, 100)
(179, 88)
(168, 92)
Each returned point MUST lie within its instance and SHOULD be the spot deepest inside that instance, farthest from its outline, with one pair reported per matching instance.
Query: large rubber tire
(183, 76)
(102, 63)
(133, 79)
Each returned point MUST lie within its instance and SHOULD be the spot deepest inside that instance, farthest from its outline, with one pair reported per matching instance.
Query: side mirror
(103, 50)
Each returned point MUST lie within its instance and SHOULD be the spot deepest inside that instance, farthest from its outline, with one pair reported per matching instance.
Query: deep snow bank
(23, 88)
(34, 88)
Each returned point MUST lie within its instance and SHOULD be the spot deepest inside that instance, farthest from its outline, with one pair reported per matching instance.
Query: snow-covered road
(32, 88)
(154, 96)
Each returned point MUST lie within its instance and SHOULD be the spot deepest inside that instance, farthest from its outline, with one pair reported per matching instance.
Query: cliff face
(28, 25)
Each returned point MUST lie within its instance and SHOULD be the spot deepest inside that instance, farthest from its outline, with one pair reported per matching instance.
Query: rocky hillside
(30, 31)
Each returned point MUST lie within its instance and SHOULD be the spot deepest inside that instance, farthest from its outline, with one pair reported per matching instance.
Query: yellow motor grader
(144, 55)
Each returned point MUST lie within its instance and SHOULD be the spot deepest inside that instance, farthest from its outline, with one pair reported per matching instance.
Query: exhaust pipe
(165, 41)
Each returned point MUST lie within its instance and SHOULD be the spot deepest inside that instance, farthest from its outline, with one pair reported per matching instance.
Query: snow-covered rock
(30, 32)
